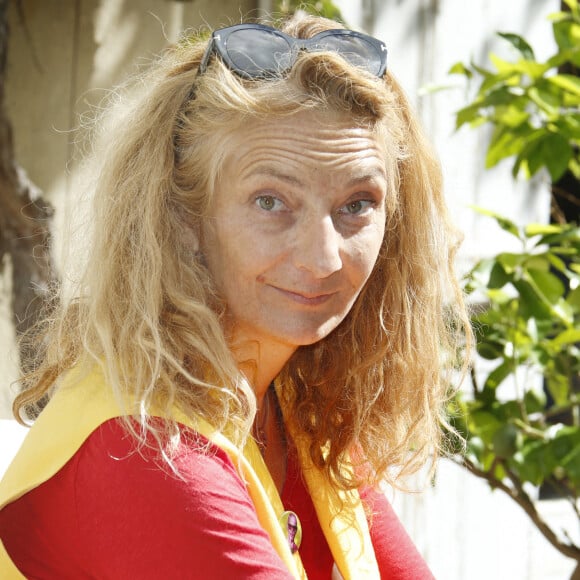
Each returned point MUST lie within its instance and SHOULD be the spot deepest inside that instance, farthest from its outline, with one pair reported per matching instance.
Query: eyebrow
(273, 172)
(372, 175)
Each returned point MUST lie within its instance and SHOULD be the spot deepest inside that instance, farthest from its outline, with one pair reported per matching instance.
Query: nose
(318, 247)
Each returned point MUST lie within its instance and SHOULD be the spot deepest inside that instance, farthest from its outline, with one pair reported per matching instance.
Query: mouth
(305, 298)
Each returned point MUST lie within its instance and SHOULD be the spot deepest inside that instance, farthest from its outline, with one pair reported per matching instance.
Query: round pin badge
(292, 528)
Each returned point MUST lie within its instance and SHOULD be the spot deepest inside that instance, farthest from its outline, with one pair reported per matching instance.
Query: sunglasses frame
(219, 40)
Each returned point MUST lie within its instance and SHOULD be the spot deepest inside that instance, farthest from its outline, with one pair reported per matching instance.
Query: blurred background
(61, 58)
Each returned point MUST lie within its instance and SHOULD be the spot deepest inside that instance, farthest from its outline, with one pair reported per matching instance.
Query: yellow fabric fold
(346, 531)
(84, 401)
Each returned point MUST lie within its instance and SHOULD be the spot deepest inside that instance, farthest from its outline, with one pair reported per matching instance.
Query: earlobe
(194, 252)
(195, 245)
(191, 238)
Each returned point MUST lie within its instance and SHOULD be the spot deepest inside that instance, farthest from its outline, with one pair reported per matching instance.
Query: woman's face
(295, 226)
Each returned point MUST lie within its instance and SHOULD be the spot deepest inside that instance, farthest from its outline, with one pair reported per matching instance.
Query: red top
(112, 512)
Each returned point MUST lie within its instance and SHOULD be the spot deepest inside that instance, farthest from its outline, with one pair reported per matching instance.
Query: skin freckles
(294, 231)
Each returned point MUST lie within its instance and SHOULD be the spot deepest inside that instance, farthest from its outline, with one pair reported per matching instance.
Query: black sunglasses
(255, 51)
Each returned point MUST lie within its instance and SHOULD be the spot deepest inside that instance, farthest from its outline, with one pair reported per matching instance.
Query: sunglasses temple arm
(206, 56)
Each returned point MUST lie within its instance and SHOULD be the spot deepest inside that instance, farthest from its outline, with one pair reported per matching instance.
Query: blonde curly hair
(146, 311)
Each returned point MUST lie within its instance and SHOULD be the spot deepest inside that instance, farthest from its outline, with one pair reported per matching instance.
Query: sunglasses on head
(256, 51)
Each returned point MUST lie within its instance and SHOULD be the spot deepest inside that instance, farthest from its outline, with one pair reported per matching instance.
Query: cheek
(366, 251)
(215, 250)
(233, 258)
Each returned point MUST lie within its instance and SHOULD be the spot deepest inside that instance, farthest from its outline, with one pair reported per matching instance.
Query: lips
(305, 298)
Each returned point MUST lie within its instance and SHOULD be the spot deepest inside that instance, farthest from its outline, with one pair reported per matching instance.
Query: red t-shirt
(114, 512)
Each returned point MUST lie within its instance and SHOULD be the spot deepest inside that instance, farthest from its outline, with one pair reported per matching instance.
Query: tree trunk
(24, 223)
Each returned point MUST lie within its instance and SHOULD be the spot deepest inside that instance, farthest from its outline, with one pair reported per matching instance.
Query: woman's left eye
(357, 207)
(268, 202)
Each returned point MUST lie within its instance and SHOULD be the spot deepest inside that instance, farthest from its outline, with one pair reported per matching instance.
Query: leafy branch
(533, 106)
(527, 327)
(517, 493)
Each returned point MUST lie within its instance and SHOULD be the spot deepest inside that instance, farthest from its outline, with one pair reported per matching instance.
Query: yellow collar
(83, 402)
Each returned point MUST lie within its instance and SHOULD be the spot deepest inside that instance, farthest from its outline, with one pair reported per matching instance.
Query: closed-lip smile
(307, 298)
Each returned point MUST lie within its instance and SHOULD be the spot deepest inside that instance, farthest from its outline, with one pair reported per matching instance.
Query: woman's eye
(268, 202)
(357, 207)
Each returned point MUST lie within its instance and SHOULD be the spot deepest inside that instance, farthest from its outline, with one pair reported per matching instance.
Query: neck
(261, 363)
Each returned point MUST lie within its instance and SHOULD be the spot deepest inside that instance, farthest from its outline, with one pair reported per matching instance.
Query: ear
(189, 233)
(191, 238)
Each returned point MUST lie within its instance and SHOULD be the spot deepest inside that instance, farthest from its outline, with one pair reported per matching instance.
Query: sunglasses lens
(258, 53)
(355, 50)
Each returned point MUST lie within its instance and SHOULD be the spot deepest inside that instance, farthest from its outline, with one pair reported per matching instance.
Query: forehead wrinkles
(334, 147)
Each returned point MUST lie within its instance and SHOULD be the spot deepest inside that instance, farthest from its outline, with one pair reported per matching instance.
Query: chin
(316, 335)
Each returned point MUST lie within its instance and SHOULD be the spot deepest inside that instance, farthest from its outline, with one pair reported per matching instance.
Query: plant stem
(519, 495)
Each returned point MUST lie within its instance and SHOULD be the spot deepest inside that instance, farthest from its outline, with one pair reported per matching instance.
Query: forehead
(310, 140)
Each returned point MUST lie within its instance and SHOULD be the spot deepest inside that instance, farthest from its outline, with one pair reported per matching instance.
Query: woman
(257, 338)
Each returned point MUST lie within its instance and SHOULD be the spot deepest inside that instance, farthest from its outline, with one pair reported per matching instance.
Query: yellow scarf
(82, 403)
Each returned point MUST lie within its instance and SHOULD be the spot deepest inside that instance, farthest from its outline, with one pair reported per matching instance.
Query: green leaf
(534, 70)
(504, 143)
(564, 312)
(501, 96)
(537, 262)
(568, 55)
(520, 167)
(549, 293)
(506, 441)
(535, 158)
(565, 440)
(513, 116)
(567, 233)
(567, 124)
(489, 350)
(573, 469)
(536, 462)
(545, 100)
(469, 114)
(510, 261)
(484, 425)
(532, 230)
(531, 305)
(557, 263)
(548, 285)
(569, 83)
(567, 449)
(550, 150)
(498, 277)
(504, 68)
(568, 336)
(559, 387)
(534, 402)
(573, 299)
(519, 43)
(566, 34)
(460, 69)
(503, 222)
(498, 296)
(498, 375)
(574, 7)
